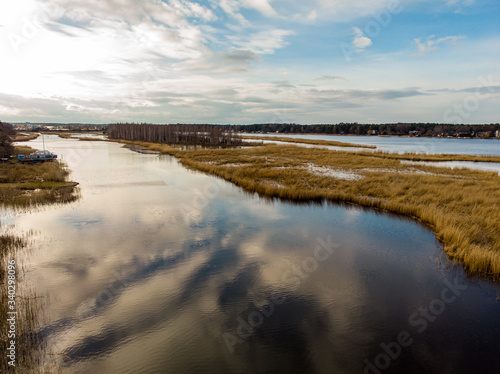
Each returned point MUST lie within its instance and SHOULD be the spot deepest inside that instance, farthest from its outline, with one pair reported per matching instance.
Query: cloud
(361, 41)
(329, 78)
(261, 6)
(263, 42)
(312, 16)
(432, 44)
(283, 84)
(459, 2)
(240, 56)
(356, 94)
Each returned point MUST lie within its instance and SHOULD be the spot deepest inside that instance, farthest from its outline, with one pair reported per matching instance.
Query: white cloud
(431, 44)
(261, 6)
(312, 16)
(343, 11)
(361, 41)
(263, 42)
(161, 61)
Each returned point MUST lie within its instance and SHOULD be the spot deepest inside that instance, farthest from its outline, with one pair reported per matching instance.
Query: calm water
(158, 269)
(422, 145)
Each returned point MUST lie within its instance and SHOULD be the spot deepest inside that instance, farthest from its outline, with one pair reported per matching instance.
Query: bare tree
(6, 148)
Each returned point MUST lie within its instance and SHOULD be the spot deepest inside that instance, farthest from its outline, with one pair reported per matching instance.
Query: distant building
(497, 134)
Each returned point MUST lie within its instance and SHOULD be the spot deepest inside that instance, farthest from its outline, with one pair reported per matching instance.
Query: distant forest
(397, 129)
(401, 129)
(205, 135)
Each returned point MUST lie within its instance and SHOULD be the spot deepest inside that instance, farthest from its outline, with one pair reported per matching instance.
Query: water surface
(158, 269)
(489, 147)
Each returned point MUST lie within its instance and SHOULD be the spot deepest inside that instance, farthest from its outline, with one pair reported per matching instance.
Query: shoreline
(24, 185)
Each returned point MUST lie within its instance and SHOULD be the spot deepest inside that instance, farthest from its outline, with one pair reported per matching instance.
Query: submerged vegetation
(462, 206)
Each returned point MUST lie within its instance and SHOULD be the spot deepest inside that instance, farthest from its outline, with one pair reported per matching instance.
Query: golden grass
(410, 156)
(62, 134)
(23, 137)
(32, 184)
(413, 156)
(462, 206)
(29, 341)
(308, 141)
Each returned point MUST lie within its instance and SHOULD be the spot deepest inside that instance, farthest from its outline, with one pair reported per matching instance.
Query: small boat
(38, 156)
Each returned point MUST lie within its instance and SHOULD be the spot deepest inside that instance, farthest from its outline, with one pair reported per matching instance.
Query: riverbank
(21, 186)
(24, 137)
(308, 141)
(461, 206)
(408, 156)
(32, 184)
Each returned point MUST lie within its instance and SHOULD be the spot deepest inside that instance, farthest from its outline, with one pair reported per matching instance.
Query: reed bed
(29, 341)
(414, 156)
(34, 184)
(22, 137)
(461, 206)
(309, 141)
(409, 156)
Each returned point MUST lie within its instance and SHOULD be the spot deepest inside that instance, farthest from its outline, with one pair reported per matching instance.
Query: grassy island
(32, 184)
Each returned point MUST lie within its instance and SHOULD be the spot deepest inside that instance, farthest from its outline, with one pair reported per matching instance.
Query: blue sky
(250, 61)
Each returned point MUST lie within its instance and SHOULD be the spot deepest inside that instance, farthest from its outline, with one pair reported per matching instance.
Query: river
(490, 147)
(159, 269)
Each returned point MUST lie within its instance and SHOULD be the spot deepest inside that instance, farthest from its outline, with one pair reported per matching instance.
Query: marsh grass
(414, 156)
(309, 141)
(61, 134)
(409, 156)
(462, 206)
(23, 137)
(30, 344)
(35, 184)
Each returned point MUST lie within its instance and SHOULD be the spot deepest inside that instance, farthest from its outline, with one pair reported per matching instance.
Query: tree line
(205, 135)
(401, 129)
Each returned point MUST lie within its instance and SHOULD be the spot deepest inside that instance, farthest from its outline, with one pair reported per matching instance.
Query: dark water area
(158, 269)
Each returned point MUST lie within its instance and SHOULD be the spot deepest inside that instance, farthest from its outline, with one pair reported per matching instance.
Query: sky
(250, 61)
